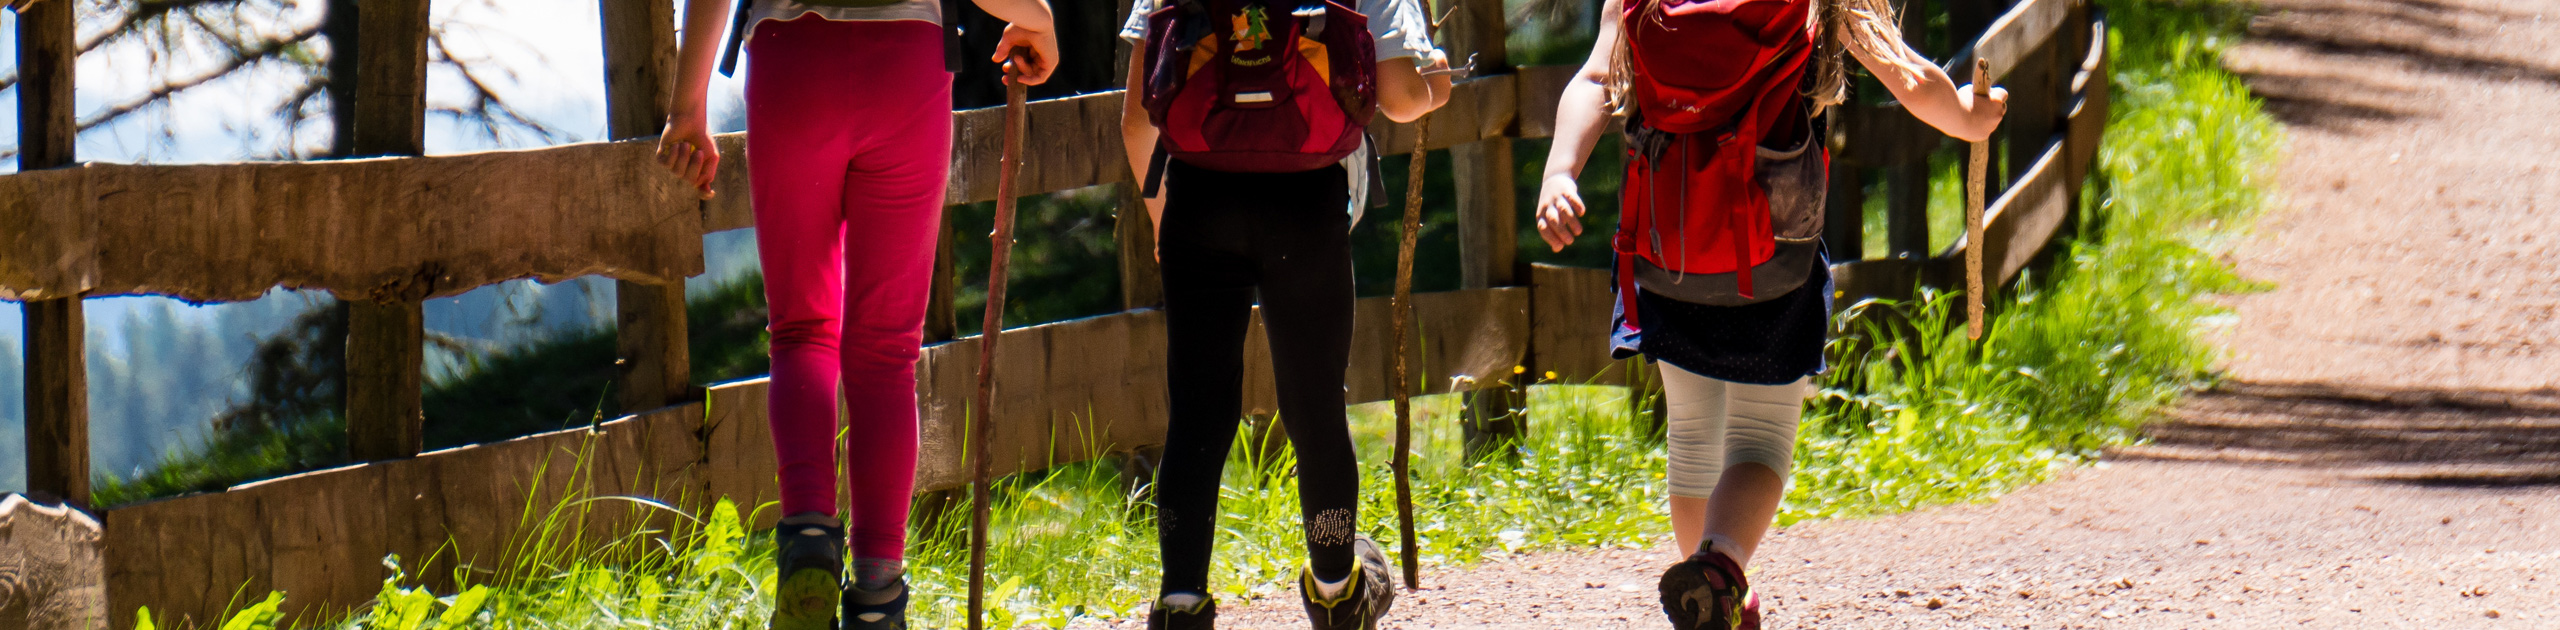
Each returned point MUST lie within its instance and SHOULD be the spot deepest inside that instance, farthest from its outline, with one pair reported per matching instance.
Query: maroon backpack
(1257, 86)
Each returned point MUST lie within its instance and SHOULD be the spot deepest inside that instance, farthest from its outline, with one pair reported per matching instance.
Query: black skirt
(1766, 343)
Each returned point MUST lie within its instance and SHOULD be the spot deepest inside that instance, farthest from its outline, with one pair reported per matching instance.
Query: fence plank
(1066, 391)
(1539, 88)
(1570, 324)
(1488, 221)
(1480, 107)
(2011, 39)
(737, 448)
(2024, 220)
(52, 566)
(2088, 113)
(1462, 338)
(386, 229)
(1073, 142)
(45, 252)
(730, 207)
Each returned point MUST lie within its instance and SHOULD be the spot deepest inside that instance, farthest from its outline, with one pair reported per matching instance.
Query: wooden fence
(386, 233)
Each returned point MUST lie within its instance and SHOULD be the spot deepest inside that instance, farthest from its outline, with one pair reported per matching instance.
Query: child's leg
(1305, 256)
(1208, 295)
(1695, 406)
(892, 211)
(802, 150)
(1760, 445)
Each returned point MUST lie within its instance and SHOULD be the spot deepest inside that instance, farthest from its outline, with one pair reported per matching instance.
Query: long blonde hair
(1871, 26)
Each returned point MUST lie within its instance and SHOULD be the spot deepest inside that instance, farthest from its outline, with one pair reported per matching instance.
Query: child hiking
(1239, 116)
(1720, 274)
(849, 117)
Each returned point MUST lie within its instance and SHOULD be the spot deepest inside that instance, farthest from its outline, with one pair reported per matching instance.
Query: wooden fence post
(57, 372)
(1844, 229)
(1488, 222)
(1141, 280)
(650, 344)
(1488, 243)
(1907, 183)
(941, 323)
(386, 335)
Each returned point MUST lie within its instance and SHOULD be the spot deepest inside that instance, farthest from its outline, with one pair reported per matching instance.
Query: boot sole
(806, 600)
(1687, 598)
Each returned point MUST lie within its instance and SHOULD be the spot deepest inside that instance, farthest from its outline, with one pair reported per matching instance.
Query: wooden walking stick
(1973, 193)
(1402, 387)
(1403, 311)
(982, 417)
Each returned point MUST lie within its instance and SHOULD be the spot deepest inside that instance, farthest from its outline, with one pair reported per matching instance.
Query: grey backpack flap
(1797, 181)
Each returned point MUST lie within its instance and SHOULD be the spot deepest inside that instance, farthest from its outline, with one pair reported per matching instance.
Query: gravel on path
(2141, 544)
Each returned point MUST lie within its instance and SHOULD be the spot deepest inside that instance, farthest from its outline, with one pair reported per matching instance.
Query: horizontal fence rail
(401, 229)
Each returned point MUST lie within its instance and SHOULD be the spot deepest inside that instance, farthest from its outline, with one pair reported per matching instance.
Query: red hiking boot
(1709, 592)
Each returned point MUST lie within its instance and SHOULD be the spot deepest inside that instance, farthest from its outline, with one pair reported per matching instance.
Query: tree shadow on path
(2432, 437)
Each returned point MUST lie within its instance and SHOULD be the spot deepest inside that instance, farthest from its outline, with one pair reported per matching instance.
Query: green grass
(1912, 414)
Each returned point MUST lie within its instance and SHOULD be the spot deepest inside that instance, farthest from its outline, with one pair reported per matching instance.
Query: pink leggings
(850, 133)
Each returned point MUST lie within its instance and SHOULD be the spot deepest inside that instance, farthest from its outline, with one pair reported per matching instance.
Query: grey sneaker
(1201, 615)
(1372, 592)
(809, 557)
(889, 615)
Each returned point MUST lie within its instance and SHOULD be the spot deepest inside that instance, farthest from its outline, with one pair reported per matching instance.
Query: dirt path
(2388, 454)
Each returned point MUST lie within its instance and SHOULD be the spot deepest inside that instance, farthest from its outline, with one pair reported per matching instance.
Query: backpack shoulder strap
(737, 36)
(1154, 184)
(1311, 13)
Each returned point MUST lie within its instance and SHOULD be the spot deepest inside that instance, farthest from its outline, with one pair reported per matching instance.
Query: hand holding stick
(982, 417)
(1974, 189)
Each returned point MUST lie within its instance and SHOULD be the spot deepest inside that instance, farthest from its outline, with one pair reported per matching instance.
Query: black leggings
(1225, 235)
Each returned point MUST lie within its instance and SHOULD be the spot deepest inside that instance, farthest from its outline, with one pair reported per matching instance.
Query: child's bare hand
(1560, 211)
(687, 150)
(1982, 116)
(1034, 53)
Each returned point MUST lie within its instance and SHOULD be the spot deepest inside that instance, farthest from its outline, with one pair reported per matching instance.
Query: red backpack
(1710, 214)
(1257, 86)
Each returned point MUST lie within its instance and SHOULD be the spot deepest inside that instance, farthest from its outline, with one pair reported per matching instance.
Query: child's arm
(1028, 25)
(1579, 123)
(1138, 135)
(685, 146)
(1405, 93)
(1927, 91)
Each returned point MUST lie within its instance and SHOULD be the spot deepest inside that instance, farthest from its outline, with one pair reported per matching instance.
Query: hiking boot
(1200, 615)
(1363, 603)
(1709, 592)
(888, 615)
(808, 556)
